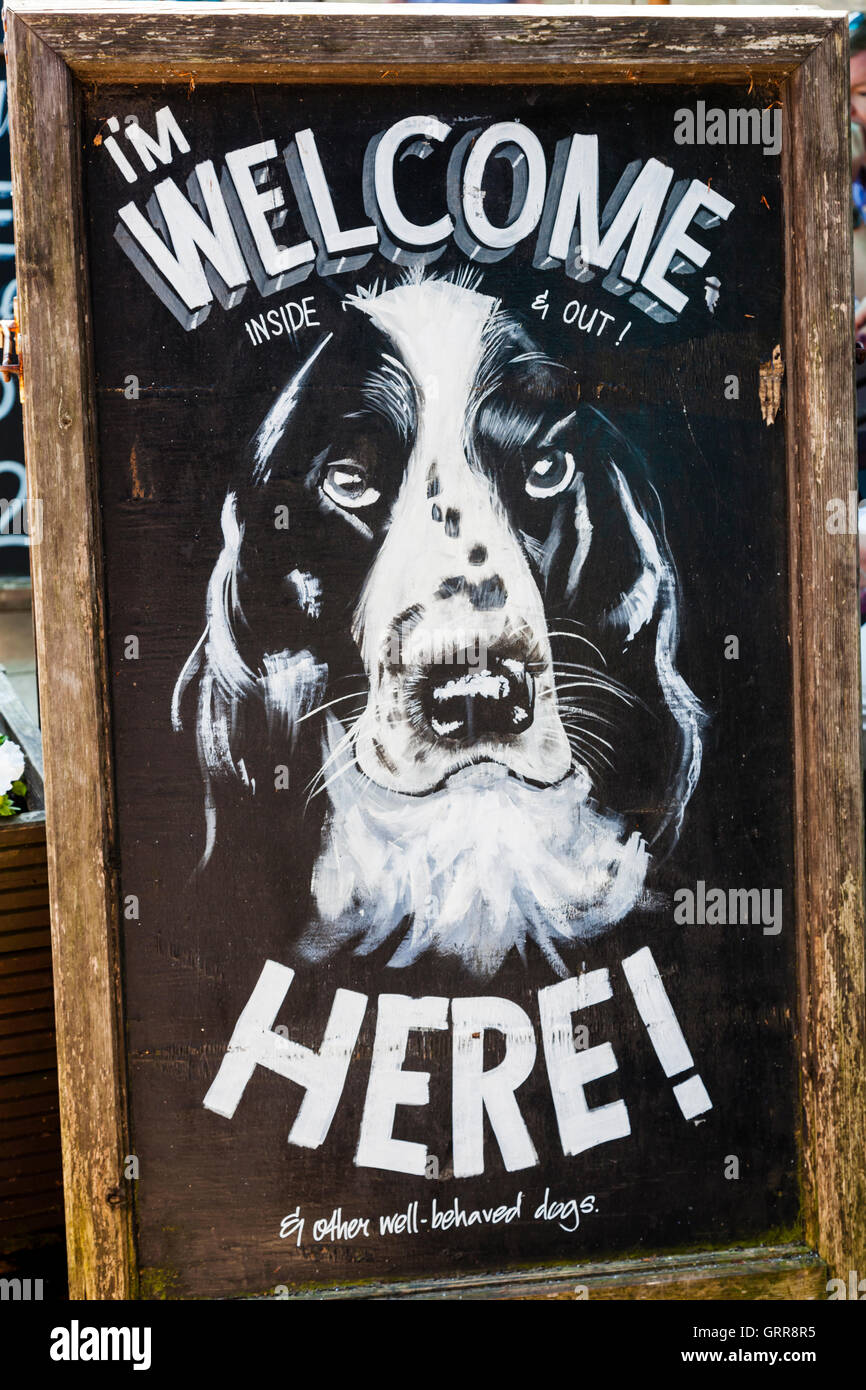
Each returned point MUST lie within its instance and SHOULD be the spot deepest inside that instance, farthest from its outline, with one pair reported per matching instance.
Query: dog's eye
(551, 474)
(346, 484)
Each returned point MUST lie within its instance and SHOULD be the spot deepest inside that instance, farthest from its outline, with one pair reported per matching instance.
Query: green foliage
(13, 801)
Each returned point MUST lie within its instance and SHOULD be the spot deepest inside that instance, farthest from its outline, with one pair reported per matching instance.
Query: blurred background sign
(14, 540)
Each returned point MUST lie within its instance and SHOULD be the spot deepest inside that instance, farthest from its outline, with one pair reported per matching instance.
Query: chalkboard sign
(452, 774)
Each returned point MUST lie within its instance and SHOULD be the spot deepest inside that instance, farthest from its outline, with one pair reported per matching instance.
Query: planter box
(31, 1183)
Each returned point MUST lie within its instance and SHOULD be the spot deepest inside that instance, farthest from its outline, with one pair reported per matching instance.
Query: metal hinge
(10, 330)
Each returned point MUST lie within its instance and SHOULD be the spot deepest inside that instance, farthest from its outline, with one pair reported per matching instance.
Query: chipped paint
(770, 376)
(138, 492)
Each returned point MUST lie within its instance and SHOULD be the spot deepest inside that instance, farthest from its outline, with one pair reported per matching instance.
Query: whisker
(579, 637)
(340, 747)
(594, 738)
(597, 695)
(583, 685)
(599, 711)
(573, 684)
(587, 670)
(567, 707)
(325, 781)
(592, 680)
(585, 758)
(341, 772)
(341, 699)
(588, 751)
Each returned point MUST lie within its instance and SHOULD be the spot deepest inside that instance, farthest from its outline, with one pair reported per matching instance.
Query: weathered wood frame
(51, 50)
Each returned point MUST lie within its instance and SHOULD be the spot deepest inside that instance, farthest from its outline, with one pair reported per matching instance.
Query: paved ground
(18, 655)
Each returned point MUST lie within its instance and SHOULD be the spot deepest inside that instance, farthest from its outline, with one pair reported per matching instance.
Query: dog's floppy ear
(651, 606)
(623, 585)
(254, 667)
(239, 702)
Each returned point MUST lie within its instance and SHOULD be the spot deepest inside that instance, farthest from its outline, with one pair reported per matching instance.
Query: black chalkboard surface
(447, 631)
(443, 506)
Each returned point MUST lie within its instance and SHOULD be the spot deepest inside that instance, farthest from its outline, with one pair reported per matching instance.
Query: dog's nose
(464, 703)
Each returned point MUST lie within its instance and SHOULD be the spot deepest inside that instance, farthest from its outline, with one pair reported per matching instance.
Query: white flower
(11, 765)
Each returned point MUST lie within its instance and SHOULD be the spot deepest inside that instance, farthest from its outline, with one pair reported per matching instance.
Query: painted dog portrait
(444, 626)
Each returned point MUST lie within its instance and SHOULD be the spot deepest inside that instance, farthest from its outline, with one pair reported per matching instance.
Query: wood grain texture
(31, 1182)
(771, 1272)
(829, 811)
(67, 604)
(165, 42)
(356, 42)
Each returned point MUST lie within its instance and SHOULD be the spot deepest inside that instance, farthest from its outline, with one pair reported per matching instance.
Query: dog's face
(471, 608)
(451, 623)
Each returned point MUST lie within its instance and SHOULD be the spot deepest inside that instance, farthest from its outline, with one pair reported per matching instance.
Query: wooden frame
(51, 50)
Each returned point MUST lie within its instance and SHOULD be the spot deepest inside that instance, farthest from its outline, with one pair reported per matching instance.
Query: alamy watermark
(854, 1287)
(77, 1343)
(21, 1290)
(702, 906)
(445, 646)
(736, 126)
(17, 522)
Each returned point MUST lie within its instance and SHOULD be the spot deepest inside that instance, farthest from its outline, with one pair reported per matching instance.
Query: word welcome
(476, 1092)
(210, 241)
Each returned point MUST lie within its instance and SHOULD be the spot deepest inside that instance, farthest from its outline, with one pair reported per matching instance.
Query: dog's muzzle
(462, 703)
